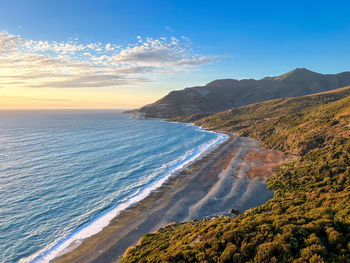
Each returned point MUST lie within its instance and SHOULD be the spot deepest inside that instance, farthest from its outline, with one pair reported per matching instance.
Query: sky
(105, 54)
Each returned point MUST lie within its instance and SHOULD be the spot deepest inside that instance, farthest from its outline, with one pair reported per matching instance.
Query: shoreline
(220, 180)
(73, 239)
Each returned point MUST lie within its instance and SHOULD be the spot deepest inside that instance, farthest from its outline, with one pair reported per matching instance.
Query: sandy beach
(232, 176)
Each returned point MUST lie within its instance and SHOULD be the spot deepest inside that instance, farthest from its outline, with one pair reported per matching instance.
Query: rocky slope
(224, 94)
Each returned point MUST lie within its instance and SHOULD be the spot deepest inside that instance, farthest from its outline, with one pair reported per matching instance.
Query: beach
(232, 176)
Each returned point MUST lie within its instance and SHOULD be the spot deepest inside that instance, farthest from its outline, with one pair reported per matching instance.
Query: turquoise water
(65, 174)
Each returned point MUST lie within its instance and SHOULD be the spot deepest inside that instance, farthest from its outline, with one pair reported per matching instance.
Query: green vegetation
(308, 219)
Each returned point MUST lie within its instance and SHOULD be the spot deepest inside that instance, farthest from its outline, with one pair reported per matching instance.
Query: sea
(65, 174)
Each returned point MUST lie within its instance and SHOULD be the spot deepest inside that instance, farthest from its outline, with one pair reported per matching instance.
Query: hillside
(308, 219)
(224, 94)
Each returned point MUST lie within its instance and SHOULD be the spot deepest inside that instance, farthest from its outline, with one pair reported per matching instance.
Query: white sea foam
(102, 220)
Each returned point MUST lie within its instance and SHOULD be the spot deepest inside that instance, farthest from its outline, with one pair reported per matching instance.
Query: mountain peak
(301, 70)
(296, 73)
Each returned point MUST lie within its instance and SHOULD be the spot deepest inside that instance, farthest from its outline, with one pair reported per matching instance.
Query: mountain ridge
(223, 94)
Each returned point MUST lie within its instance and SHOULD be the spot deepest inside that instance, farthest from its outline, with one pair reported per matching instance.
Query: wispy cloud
(72, 64)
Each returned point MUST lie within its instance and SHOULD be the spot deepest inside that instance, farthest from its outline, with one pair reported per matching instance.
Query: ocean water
(65, 174)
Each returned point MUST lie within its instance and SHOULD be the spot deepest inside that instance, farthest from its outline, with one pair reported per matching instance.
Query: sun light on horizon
(70, 74)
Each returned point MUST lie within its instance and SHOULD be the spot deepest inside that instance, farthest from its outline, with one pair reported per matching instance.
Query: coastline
(230, 176)
(95, 225)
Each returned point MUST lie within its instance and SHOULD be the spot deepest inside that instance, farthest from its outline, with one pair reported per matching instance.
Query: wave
(75, 238)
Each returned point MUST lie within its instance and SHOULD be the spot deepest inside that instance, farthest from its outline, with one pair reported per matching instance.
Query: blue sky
(234, 39)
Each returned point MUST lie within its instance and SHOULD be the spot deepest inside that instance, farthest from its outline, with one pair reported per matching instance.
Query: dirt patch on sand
(263, 162)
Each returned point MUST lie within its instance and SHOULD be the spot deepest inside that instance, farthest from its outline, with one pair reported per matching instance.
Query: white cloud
(8, 43)
(72, 64)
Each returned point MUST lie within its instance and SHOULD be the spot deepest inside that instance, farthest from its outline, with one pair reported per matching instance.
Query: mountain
(224, 94)
(307, 220)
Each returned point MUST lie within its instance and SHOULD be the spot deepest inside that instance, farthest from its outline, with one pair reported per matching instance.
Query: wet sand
(230, 177)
